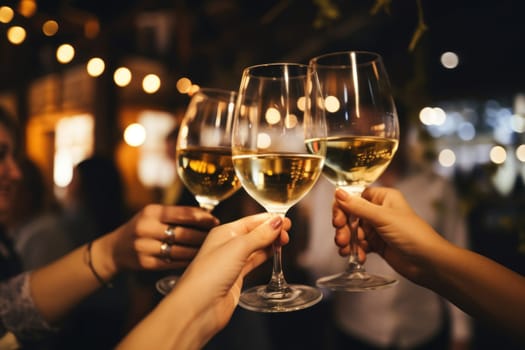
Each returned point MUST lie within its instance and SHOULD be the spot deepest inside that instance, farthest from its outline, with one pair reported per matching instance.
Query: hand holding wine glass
(271, 135)
(203, 153)
(362, 138)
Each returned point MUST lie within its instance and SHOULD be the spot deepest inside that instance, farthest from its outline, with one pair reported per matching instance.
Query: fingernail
(341, 194)
(276, 222)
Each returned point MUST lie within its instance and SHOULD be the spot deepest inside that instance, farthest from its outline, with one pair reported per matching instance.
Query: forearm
(60, 286)
(173, 324)
(483, 288)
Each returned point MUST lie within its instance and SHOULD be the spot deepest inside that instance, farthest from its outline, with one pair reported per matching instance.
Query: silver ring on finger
(170, 234)
(165, 250)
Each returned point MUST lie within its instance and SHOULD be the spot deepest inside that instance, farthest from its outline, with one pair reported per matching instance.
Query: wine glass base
(166, 284)
(296, 297)
(355, 282)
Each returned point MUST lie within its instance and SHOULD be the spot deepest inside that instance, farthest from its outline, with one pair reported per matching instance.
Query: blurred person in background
(34, 304)
(35, 223)
(94, 201)
(94, 204)
(403, 316)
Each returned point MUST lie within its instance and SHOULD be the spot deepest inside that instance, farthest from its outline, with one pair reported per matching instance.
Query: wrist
(191, 331)
(173, 324)
(102, 259)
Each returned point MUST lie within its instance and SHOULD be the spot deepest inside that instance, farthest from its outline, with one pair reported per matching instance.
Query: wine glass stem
(353, 223)
(353, 259)
(208, 208)
(277, 282)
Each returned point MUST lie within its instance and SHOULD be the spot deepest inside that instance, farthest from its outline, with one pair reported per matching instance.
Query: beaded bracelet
(92, 268)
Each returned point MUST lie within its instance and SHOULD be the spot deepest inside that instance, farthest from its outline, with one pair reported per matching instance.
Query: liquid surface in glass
(278, 181)
(357, 161)
(208, 172)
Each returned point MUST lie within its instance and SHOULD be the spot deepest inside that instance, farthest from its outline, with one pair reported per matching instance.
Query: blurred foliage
(329, 11)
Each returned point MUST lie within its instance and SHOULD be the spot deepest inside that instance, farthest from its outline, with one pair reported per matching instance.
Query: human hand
(137, 243)
(203, 299)
(388, 227)
(228, 254)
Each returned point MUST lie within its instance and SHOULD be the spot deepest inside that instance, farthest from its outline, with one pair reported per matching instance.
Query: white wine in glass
(269, 142)
(362, 138)
(204, 153)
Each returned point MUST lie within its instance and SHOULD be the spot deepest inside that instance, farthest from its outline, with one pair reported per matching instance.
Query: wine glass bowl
(203, 153)
(272, 131)
(362, 138)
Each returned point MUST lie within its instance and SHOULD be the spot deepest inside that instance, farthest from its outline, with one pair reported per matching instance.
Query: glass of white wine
(272, 132)
(362, 138)
(204, 153)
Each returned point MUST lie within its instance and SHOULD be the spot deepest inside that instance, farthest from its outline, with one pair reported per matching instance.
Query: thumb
(258, 240)
(265, 234)
(355, 205)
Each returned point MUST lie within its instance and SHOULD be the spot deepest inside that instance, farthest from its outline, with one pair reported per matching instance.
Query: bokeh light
(151, 83)
(65, 53)
(122, 76)
(95, 66)
(447, 158)
(498, 155)
(449, 60)
(16, 35)
(135, 135)
(6, 14)
(50, 27)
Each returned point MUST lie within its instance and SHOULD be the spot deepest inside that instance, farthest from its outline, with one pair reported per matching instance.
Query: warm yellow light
(193, 89)
(65, 53)
(63, 169)
(95, 66)
(332, 104)
(6, 14)
(50, 27)
(135, 135)
(272, 116)
(16, 35)
(290, 121)
(263, 140)
(91, 28)
(74, 140)
(498, 155)
(183, 85)
(151, 83)
(520, 153)
(122, 76)
(27, 8)
(447, 158)
(432, 116)
(301, 103)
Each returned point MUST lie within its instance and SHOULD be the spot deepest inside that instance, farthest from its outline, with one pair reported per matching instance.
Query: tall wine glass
(362, 138)
(271, 133)
(203, 154)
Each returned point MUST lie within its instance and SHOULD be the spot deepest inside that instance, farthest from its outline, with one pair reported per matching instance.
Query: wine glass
(271, 133)
(203, 153)
(362, 138)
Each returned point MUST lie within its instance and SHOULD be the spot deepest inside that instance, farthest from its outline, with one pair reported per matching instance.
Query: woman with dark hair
(32, 303)
(95, 200)
(158, 237)
(35, 223)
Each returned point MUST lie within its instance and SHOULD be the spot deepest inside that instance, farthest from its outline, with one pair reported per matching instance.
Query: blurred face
(9, 172)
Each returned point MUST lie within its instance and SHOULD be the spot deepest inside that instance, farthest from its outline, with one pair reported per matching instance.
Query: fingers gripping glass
(272, 132)
(203, 154)
(362, 138)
